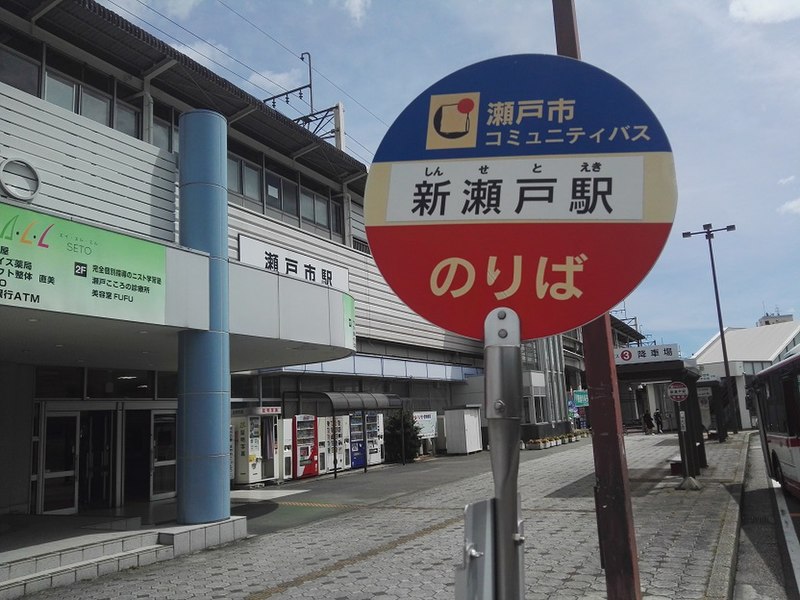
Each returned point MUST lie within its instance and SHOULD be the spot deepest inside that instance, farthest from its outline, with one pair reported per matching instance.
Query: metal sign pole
(494, 563)
(503, 409)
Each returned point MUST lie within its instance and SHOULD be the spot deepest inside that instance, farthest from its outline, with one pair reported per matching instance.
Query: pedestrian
(659, 421)
(648, 423)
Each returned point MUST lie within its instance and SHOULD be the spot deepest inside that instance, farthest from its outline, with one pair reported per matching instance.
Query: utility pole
(618, 554)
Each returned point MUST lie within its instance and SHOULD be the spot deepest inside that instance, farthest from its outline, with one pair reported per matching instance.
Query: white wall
(88, 170)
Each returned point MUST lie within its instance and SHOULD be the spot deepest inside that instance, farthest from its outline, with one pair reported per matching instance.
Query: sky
(721, 76)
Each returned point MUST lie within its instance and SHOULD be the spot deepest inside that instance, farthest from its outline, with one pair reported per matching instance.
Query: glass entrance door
(163, 473)
(60, 478)
(97, 451)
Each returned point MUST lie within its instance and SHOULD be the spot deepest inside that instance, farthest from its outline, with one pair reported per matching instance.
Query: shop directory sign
(49, 263)
(520, 182)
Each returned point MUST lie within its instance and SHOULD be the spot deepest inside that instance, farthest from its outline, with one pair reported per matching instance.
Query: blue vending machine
(358, 446)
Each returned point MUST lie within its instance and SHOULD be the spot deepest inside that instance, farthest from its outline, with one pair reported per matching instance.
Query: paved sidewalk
(408, 546)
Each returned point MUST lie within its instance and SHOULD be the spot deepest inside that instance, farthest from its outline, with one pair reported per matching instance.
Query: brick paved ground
(408, 547)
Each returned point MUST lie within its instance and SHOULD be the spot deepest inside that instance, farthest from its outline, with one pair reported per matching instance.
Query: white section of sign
(683, 420)
(427, 424)
(292, 264)
(643, 354)
(704, 392)
(573, 188)
(677, 391)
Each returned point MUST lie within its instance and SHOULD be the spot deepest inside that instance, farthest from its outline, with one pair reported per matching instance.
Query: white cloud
(356, 8)
(180, 8)
(791, 207)
(274, 82)
(785, 180)
(209, 54)
(764, 11)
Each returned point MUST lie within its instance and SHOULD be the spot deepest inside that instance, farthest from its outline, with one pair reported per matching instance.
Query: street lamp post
(708, 232)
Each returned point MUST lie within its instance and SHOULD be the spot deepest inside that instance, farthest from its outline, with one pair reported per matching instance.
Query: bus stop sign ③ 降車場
(534, 182)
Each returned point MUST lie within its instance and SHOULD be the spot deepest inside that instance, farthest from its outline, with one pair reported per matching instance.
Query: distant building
(749, 351)
(769, 319)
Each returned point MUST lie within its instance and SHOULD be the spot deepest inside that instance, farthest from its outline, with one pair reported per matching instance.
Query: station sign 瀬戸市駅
(521, 181)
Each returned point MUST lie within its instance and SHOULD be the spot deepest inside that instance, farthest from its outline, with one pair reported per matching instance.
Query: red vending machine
(306, 449)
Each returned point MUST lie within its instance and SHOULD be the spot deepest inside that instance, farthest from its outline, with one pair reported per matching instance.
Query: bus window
(790, 393)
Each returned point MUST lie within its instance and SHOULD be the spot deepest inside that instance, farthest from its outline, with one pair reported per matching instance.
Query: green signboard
(55, 264)
(581, 398)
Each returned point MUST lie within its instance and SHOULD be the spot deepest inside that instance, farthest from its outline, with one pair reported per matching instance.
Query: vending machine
(288, 445)
(339, 446)
(375, 446)
(358, 447)
(306, 449)
(255, 443)
(322, 444)
(247, 444)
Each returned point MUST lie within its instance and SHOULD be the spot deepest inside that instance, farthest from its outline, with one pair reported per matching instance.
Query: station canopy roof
(347, 401)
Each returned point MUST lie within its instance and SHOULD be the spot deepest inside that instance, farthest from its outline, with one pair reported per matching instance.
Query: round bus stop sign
(534, 182)
(677, 391)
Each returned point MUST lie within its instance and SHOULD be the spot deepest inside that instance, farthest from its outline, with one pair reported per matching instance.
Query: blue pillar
(204, 378)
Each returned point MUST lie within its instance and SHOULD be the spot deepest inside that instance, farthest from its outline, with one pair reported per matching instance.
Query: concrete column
(204, 356)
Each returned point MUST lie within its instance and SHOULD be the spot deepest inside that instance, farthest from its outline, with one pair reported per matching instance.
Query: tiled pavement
(408, 547)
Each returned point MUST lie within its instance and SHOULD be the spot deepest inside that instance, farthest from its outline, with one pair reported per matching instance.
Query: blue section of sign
(523, 105)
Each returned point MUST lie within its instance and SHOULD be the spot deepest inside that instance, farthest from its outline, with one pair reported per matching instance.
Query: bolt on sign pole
(612, 493)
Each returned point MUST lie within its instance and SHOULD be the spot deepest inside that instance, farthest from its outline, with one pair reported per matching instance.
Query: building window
(306, 204)
(126, 120)
(273, 186)
(252, 182)
(162, 135)
(95, 106)
(289, 197)
(60, 91)
(337, 218)
(19, 72)
(234, 182)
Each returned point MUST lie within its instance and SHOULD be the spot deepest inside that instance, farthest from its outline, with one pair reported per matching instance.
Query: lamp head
(687, 234)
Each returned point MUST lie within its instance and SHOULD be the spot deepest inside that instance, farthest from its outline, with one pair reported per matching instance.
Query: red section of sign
(605, 262)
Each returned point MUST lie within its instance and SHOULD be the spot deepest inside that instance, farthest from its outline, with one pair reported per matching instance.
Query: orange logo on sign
(453, 121)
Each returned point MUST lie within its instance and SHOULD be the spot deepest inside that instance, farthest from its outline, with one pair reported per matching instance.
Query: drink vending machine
(254, 443)
(334, 443)
(306, 449)
(247, 441)
(375, 446)
(358, 446)
(288, 447)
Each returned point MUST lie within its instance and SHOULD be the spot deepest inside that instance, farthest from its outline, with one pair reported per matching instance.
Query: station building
(174, 252)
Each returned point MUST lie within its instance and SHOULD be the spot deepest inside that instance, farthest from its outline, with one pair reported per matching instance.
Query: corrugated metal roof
(755, 344)
(106, 35)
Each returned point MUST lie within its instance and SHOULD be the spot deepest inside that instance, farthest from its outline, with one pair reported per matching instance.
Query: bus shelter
(692, 445)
